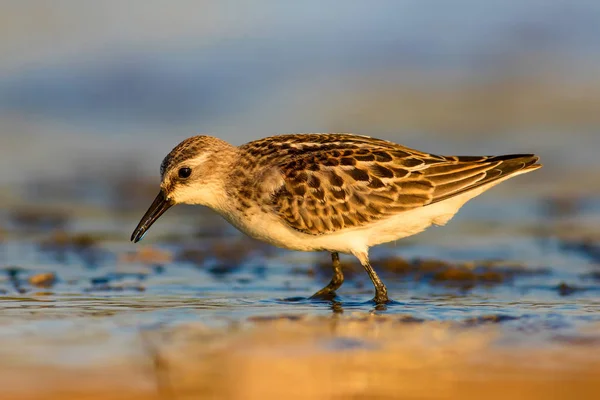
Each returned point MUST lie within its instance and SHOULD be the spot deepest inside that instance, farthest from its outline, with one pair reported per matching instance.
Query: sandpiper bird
(340, 193)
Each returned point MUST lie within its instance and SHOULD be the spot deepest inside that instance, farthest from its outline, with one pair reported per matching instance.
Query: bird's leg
(336, 281)
(381, 296)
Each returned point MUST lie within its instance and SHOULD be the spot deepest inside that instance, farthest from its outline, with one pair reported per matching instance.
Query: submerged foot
(381, 296)
(324, 294)
(381, 300)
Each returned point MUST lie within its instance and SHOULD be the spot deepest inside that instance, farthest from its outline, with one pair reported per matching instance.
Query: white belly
(271, 229)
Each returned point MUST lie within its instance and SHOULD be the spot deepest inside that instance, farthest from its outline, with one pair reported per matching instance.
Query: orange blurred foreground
(361, 356)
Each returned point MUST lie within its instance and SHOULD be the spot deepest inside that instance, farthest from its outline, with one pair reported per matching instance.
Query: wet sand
(357, 356)
(504, 306)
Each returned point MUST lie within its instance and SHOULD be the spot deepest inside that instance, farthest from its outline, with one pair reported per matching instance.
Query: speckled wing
(334, 182)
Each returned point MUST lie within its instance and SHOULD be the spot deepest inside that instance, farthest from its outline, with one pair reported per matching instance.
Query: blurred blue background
(96, 91)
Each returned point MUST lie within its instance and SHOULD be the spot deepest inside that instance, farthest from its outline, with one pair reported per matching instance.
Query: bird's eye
(185, 172)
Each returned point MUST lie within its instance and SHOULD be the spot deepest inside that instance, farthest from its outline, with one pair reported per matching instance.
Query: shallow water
(518, 269)
(509, 286)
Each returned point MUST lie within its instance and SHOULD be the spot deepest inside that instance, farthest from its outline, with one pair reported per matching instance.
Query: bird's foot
(381, 296)
(326, 293)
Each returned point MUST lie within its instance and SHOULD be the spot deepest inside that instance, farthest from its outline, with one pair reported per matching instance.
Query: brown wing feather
(336, 181)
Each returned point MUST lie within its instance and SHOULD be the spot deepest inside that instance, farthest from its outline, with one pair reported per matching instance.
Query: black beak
(158, 207)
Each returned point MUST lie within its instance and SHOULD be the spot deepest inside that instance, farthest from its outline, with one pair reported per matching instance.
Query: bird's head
(192, 173)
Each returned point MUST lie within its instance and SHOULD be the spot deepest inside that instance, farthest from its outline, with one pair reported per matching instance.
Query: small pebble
(565, 289)
(44, 280)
